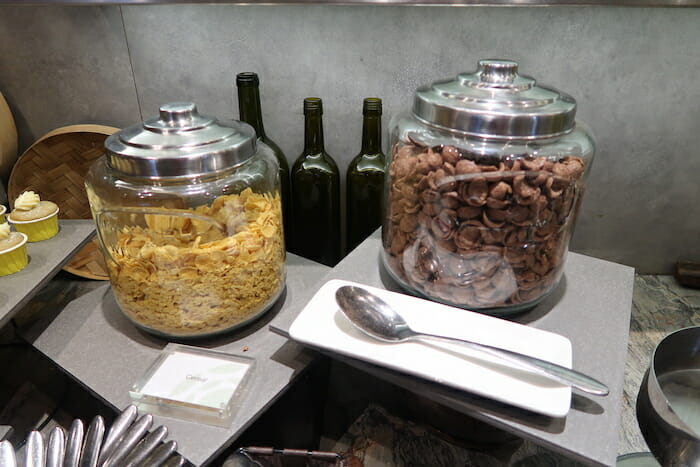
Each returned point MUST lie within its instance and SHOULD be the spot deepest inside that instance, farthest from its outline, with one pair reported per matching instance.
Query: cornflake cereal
(183, 276)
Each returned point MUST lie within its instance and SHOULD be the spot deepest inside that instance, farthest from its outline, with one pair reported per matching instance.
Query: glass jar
(484, 181)
(189, 217)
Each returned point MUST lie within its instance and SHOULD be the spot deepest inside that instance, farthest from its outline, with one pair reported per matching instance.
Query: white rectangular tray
(323, 325)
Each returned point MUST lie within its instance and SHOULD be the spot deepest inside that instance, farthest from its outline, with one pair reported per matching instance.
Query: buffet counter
(76, 324)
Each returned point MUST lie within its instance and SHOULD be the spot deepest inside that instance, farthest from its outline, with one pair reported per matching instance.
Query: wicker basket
(54, 167)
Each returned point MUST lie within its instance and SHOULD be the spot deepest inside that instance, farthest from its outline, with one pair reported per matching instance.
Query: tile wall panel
(631, 70)
(64, 66)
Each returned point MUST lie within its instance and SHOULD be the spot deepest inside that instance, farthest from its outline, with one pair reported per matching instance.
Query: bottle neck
(249, 108)
(313, 133)
(372, 133)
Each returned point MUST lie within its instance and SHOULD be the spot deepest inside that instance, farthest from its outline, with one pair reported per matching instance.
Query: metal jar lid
(496, 102)
(179, 143)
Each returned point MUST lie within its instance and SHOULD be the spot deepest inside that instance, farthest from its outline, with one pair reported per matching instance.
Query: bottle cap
(313, 104)
(247, 78)
(372, 104)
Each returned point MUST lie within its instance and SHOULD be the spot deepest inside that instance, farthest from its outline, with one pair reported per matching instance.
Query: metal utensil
(130, 439)
(116, 432)
(146, 446)
(668, 403)
(175, 461)
(7, 455)
(74, 444)
(376, 318)
(93, 442)
(160, 455)
(36, 456)
(56, 448)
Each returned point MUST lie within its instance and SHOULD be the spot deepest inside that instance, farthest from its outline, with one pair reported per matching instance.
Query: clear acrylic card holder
(193, 384)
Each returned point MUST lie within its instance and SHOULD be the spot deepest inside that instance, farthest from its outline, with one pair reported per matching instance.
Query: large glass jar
(484, 181)
(188, 214)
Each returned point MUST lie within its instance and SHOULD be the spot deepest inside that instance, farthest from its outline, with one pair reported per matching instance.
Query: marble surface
(379, 439)
(660, 306)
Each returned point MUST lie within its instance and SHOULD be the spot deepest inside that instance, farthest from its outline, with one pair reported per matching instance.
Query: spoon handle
(557, 372)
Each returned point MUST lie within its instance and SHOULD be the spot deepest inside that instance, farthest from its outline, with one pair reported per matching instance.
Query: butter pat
(27, 201)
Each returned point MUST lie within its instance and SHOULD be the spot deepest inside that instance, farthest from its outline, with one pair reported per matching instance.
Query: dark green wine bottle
(365, 177)
(315, 194)
(249, 111)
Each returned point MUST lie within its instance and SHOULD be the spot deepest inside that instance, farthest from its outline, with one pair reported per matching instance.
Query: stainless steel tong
(127, 443)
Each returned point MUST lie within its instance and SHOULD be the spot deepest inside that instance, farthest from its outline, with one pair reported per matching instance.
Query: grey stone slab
(64, 66)
(46, 258)
(591, 307)
(627, 68)
(92, 341)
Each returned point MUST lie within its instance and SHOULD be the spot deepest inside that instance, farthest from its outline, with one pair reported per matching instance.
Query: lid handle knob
(498, 71)
(178, 113)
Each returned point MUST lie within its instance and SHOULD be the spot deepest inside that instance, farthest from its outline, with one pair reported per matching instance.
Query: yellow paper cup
(14, 259)
(3, 209)
(38, 229)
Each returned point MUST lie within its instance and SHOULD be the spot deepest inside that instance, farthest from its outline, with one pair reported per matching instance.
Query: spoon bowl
(372, 315)
(378, 319)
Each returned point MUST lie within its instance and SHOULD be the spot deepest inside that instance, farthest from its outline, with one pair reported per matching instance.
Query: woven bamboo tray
(54, 167)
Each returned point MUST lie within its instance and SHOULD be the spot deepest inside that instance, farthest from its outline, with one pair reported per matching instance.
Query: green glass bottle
(315, 194)
(250, 112)
(365, 177)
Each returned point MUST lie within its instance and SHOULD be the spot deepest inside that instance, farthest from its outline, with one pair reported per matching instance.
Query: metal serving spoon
(7, 455)
(376, 318)
(56, 448)
(74, 444)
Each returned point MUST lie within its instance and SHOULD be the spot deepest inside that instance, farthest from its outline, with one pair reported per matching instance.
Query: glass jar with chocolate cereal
(485, 178)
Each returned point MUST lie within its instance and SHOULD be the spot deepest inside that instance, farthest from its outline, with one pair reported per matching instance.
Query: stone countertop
(46, 258)
(78, 325)
(591, 307)
(660, 306)
(379, 436)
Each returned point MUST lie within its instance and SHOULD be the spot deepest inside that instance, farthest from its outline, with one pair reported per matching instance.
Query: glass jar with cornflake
(484, 181)
(188, 214)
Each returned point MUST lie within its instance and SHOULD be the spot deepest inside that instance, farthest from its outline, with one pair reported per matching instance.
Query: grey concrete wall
(632, 70)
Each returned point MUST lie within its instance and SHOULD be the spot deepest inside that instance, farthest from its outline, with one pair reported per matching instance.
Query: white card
(196, 380)
(193, 384)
